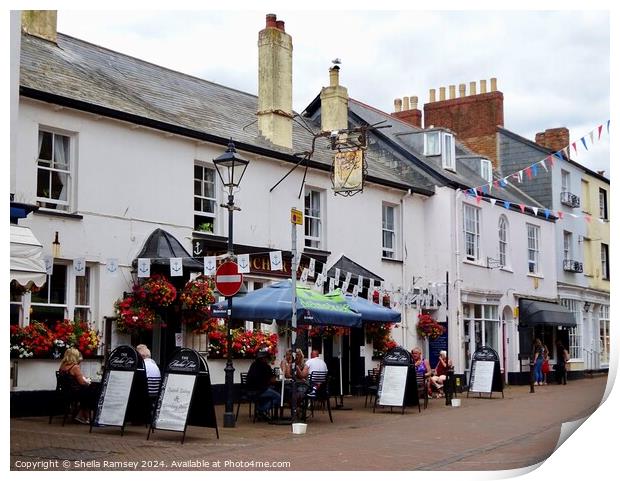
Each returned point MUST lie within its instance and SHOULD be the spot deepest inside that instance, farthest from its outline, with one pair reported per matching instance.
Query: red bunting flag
(496, 184)
(600, 129)
(478, 199)
(560, 214)
(522, 207)
(528, 172)
(550, 160)
(575, 147)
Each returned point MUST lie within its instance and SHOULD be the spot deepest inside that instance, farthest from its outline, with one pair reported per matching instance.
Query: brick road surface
(483, 434)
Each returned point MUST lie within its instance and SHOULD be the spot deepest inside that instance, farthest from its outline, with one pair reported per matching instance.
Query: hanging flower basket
(380, 335)
(327, 331)
(133, 316)
(196, 298)
(428, 327)
(158, 291)
(245, 344)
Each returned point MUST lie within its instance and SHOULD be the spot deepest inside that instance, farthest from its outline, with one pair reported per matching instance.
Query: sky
(553, 67)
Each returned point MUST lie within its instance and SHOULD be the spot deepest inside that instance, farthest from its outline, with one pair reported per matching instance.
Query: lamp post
(230, 168)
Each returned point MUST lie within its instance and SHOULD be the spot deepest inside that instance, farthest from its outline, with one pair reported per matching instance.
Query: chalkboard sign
(123, 393)
(392, 386)
(186, 397)
(437, 345)
(485, 375)
(397, 385)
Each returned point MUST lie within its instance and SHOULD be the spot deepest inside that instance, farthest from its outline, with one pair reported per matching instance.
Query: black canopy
(161, 246)
(532, 313)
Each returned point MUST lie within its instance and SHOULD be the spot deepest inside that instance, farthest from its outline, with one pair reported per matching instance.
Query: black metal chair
(246, 395)
(317, 393)
(371, 386)
(422, 382)
(66, 396)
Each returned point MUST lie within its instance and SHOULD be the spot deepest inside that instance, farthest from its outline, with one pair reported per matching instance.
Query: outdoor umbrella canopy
(274, 302)
(369, 311)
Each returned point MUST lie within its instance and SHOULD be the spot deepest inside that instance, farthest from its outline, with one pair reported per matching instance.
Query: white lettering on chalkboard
(482, 376)
(392, 389)
(177, 395)
(115, 398)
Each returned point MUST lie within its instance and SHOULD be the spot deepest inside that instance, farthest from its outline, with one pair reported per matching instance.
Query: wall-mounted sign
(348, 172)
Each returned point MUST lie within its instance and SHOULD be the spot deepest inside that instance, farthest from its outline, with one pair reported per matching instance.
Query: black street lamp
(230, 168)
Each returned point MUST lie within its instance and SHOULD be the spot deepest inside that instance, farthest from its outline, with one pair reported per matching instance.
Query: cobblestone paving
(483, 434)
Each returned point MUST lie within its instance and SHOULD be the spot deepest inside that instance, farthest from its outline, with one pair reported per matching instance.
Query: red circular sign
(228, 280)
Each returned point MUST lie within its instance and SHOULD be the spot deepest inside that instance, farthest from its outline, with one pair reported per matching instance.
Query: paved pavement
(519, 430)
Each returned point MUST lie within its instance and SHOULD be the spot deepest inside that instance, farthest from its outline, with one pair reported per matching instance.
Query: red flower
(158, 291)
(133, 315)
(428, 327)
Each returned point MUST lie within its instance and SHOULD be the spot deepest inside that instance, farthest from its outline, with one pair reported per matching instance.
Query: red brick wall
(413, 117)
(485, 145)
(554, 139)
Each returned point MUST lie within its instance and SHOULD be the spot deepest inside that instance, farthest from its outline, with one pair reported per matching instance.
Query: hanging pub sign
(485, 375)
(185, 397)
(124, 391)
(397, 381)
(348, 172)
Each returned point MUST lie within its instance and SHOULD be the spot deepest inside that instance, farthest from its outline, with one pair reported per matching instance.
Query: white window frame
(604, 261)
(471, 232)
(604, 339)
(502, 234)
(533, 249)
(602, 200)
(478, 316)
(314, 216)
(574, 333)
(448, 157)
(486, 170)
(391, 231)
(568, 245)
(565, 181)
(52, 167)
(432, 148)
(203, 198)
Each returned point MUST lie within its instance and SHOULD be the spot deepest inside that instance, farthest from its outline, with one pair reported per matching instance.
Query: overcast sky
(552, 66)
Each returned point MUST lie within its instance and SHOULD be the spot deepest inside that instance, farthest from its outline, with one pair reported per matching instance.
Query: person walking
(560, 364)
(538, 361)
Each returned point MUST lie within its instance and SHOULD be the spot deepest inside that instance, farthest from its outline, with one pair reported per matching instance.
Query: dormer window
(441, 143)
(486, 170)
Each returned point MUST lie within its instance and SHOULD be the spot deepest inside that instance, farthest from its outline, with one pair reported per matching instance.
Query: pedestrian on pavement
(560, 364)
(545, 364)
(260, 379)
(538, 361)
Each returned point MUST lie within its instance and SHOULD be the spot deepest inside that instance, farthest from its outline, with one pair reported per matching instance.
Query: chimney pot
(483, 86)
(493, 84)
(431, 95)
(472, 88)
(442, 93)
(280, 25)
(334, 74)
(461, 90)
(406, 103)
(271, 21)
(452, 91)
(414, 102)
(398, 105)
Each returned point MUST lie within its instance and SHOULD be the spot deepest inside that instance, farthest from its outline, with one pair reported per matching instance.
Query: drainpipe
(457, 281)
(403, 307)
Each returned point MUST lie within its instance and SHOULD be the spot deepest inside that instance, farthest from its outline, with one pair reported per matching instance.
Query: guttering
(194, 134)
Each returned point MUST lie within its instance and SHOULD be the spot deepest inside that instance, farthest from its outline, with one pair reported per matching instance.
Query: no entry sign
(228, 280)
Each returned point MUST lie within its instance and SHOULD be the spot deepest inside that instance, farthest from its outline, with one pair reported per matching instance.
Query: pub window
(313, 222)
(471, 230)
(205, 200)
(533, 249)
(49, 304)
(53, 170)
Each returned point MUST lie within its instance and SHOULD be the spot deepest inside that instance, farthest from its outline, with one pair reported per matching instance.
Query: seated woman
(70, 367)
(286, 364)
(441, 370)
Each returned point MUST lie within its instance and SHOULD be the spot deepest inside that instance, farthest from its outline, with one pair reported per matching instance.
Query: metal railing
(573, 266)
(569, 199)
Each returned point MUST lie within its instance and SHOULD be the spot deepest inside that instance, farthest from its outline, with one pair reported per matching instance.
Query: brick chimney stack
(474, 117)
(334, 103)
(410, 112)
(40, 23)
(553, 139)
(275, 83)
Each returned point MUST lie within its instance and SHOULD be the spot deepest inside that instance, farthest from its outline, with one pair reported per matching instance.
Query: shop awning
(534, 313)
(27, 265)
(161, 246)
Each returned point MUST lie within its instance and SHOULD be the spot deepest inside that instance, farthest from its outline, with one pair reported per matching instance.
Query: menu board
(114, 398)
(174, 403)
(392, 386)
(481, 379)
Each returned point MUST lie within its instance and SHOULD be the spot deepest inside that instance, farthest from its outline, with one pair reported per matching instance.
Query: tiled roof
(92, 77)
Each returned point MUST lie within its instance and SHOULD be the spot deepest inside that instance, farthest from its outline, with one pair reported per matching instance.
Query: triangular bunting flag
(478, 199)
(503, 182)
(490, 187)
(566, 151)
(558, 155)
(542, 162)
(600, 129)
(493, 201)
(574, 144)
(560, 214)
(528, 172)
(507, 204)
(483, 189)
(472, 192)
(547, 213)
(608, 125)
(591, 137)
(522, 207)
(550, 160)
(534, 169)
(496, 184)
(583, 141)
(535, 210)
